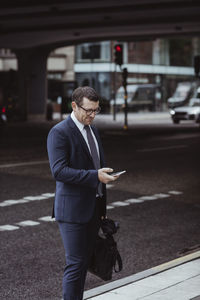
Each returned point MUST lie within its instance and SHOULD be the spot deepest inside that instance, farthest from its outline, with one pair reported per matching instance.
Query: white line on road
(28, 223)
(27, 199)
(162, 148)
(131, 201)
(175, 193)
(119, 203)
(8, 227)
(47, 219)
(161, 195)
(21, 164)
(111, 205)
(145, 198)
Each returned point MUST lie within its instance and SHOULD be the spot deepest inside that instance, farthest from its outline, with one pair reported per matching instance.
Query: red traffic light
(118, 48)
(118, 54)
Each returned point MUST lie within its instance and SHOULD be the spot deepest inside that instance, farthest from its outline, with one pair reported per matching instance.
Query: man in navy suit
(77, 164)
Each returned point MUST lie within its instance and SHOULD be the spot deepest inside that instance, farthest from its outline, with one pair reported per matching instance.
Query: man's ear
(73, 105)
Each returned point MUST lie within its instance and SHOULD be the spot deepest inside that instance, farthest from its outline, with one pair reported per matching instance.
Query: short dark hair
(84, 91)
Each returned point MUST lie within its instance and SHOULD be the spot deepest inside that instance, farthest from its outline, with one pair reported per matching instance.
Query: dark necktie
(94, 154)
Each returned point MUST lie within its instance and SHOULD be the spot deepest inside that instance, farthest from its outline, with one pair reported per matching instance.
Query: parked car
(140, 97)
(3, 117)
(190, 112)
(184, 91)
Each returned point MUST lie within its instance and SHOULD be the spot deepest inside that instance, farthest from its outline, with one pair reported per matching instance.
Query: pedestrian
(77, 164)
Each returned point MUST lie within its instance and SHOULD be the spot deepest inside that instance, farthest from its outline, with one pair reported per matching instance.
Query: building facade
(162, 61)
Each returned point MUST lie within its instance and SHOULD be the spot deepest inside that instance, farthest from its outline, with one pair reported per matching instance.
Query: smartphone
(118, 173)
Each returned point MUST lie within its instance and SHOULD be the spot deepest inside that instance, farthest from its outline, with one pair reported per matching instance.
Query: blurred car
(119, 102)
(140, 97)
(185, 113)
(184, 91)
(3, 117)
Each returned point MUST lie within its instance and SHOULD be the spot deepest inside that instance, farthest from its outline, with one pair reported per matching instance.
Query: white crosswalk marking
(47, 219)
(112, 205)
(27, 199)
(119, 203)
(161, 195)
(175, 193)
(109, 207)
(28, 223)
(109, 186)
(34, 198)
(134, 201)
(8, 227)
(48, 195)
(146, 198)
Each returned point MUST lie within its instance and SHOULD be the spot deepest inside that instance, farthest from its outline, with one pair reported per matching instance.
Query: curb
(141, 275)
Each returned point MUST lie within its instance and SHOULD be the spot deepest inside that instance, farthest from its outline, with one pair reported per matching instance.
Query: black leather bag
(106, 257)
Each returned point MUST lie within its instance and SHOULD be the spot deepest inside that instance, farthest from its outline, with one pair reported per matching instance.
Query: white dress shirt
(83, 131)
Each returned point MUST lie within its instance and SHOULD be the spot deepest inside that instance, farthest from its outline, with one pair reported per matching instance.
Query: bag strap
(118, 259)
(119, 262)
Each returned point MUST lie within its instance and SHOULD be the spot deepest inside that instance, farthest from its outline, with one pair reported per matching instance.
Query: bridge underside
(54, 23)
(33, 28)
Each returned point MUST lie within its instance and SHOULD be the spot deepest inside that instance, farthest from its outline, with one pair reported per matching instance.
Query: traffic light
(124, 77)
(119, 54)
(197, 65)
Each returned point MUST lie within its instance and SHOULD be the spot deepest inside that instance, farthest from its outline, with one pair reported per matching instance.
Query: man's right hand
(104, 177)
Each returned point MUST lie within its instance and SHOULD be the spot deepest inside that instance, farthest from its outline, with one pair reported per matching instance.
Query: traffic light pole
(125, 108)
(124, 77)
(114, 106)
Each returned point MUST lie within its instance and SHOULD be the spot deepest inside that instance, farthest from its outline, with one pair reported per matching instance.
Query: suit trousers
(78, 241)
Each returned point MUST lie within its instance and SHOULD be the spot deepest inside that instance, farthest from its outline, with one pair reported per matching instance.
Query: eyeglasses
(90, 111)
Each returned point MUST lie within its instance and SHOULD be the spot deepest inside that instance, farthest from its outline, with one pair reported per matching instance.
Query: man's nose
(93, 113)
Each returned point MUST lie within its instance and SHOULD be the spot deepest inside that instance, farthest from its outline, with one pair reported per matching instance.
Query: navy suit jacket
(76, 178)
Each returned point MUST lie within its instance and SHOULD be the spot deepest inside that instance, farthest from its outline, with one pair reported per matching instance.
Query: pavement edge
(141, 275)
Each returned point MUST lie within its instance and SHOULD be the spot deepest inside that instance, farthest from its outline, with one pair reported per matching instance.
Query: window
(180, 51)
(93, 52)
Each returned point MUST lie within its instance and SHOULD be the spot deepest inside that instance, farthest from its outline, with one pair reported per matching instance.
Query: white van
(140, 97)
(182, 94)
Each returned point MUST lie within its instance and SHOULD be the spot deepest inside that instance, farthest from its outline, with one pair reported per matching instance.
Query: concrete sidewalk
(176, 280)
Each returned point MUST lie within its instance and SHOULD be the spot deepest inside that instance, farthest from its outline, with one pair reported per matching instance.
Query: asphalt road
(157, 201)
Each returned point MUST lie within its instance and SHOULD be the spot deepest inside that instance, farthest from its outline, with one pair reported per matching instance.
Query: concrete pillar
(196, 46)
(32, 83)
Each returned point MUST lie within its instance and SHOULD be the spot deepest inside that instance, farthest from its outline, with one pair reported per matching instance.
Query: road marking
(22, 164)
(28, 223)
(162, 148)
(134, 201)
(35, 198)
(27, 199)
(111, 205)
(109, 186)
(146, 198)
(161, 195)
(47, 219)
(8, 227)
(119, 203)
(48, 195)
(175, 193)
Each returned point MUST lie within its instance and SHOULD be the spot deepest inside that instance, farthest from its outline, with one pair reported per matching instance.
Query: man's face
(81, 115)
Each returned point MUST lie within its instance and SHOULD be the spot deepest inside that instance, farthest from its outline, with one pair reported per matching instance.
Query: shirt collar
(76, 121)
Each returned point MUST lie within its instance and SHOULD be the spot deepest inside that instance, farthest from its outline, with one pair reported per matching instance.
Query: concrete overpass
(33, 28)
